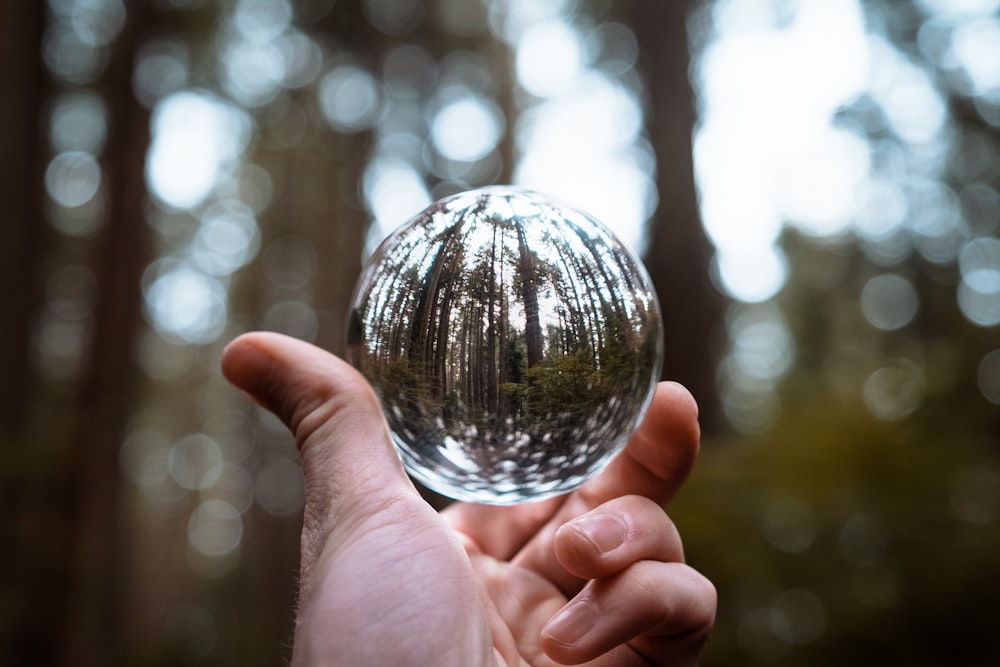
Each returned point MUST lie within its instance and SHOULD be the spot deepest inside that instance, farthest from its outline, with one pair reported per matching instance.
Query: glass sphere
(515, 344)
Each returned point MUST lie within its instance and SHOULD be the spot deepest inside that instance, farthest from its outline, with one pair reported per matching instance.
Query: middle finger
(616, 534)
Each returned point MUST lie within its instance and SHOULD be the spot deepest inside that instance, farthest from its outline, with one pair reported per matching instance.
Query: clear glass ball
(515, 344)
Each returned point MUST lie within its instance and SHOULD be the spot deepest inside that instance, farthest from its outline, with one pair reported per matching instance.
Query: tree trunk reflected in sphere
(515, 344)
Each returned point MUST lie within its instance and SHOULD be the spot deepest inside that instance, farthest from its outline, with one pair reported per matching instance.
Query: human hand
(595, 576)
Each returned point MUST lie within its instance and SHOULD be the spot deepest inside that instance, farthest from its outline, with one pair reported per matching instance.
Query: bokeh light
(979, 291)
(195, 462)
(226, 239)
(215, 528)
(184, 302)
(73, 178)
(895, 390)
(78, 123)
(195, 136)
(393, 17)
(144, 457)
(989, 376)
(550, 57)
(394, 192)
(889, 302)
(467, 129)
(349, 98)
(161, 69)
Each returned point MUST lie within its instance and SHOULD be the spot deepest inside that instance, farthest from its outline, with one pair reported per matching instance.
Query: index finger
(660, 455)
(655, 463)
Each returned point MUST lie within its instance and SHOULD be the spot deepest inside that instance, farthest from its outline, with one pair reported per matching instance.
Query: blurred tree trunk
(61, 557)
(21, 233)
(679, 252)
(25, 558)
(109, 385)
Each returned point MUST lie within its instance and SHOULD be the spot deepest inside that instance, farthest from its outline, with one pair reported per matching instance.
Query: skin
(596, 577)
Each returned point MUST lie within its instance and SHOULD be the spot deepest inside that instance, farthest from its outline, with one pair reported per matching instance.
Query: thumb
(351, 470)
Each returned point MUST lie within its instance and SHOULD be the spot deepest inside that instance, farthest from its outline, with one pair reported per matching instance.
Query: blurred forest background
(815, 187)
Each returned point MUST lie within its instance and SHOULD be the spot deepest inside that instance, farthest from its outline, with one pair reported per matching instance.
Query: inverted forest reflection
(514, 344)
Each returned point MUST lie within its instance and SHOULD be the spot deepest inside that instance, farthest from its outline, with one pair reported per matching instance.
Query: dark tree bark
(62, 522)
(25, 559)
(22, 161)
(110, 383)
(529, 292)
(679, 252)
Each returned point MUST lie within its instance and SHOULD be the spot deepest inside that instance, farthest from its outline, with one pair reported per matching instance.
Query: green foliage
(564, 386)
(837, 537)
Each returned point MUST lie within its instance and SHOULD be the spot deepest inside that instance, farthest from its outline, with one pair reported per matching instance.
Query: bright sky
(769, 148)
(770, 151)
(766, 149)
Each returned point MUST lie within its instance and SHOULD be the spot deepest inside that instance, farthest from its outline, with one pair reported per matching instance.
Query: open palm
(595, 577)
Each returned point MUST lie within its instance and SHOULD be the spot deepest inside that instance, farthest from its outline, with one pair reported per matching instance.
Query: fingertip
(582, 544)
(679, 404)
(248, 366)
(669, 438)
(666, 610)
(330, 408)
(564, 637)
(290, 377)
(682, 399)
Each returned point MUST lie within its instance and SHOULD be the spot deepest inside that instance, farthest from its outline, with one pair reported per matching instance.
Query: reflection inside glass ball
(514, 344)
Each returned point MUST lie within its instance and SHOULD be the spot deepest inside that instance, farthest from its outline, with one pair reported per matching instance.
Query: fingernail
(571, 624)
(605, 531)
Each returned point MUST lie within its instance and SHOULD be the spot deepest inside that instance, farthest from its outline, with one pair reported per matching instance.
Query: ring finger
(662, 612)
